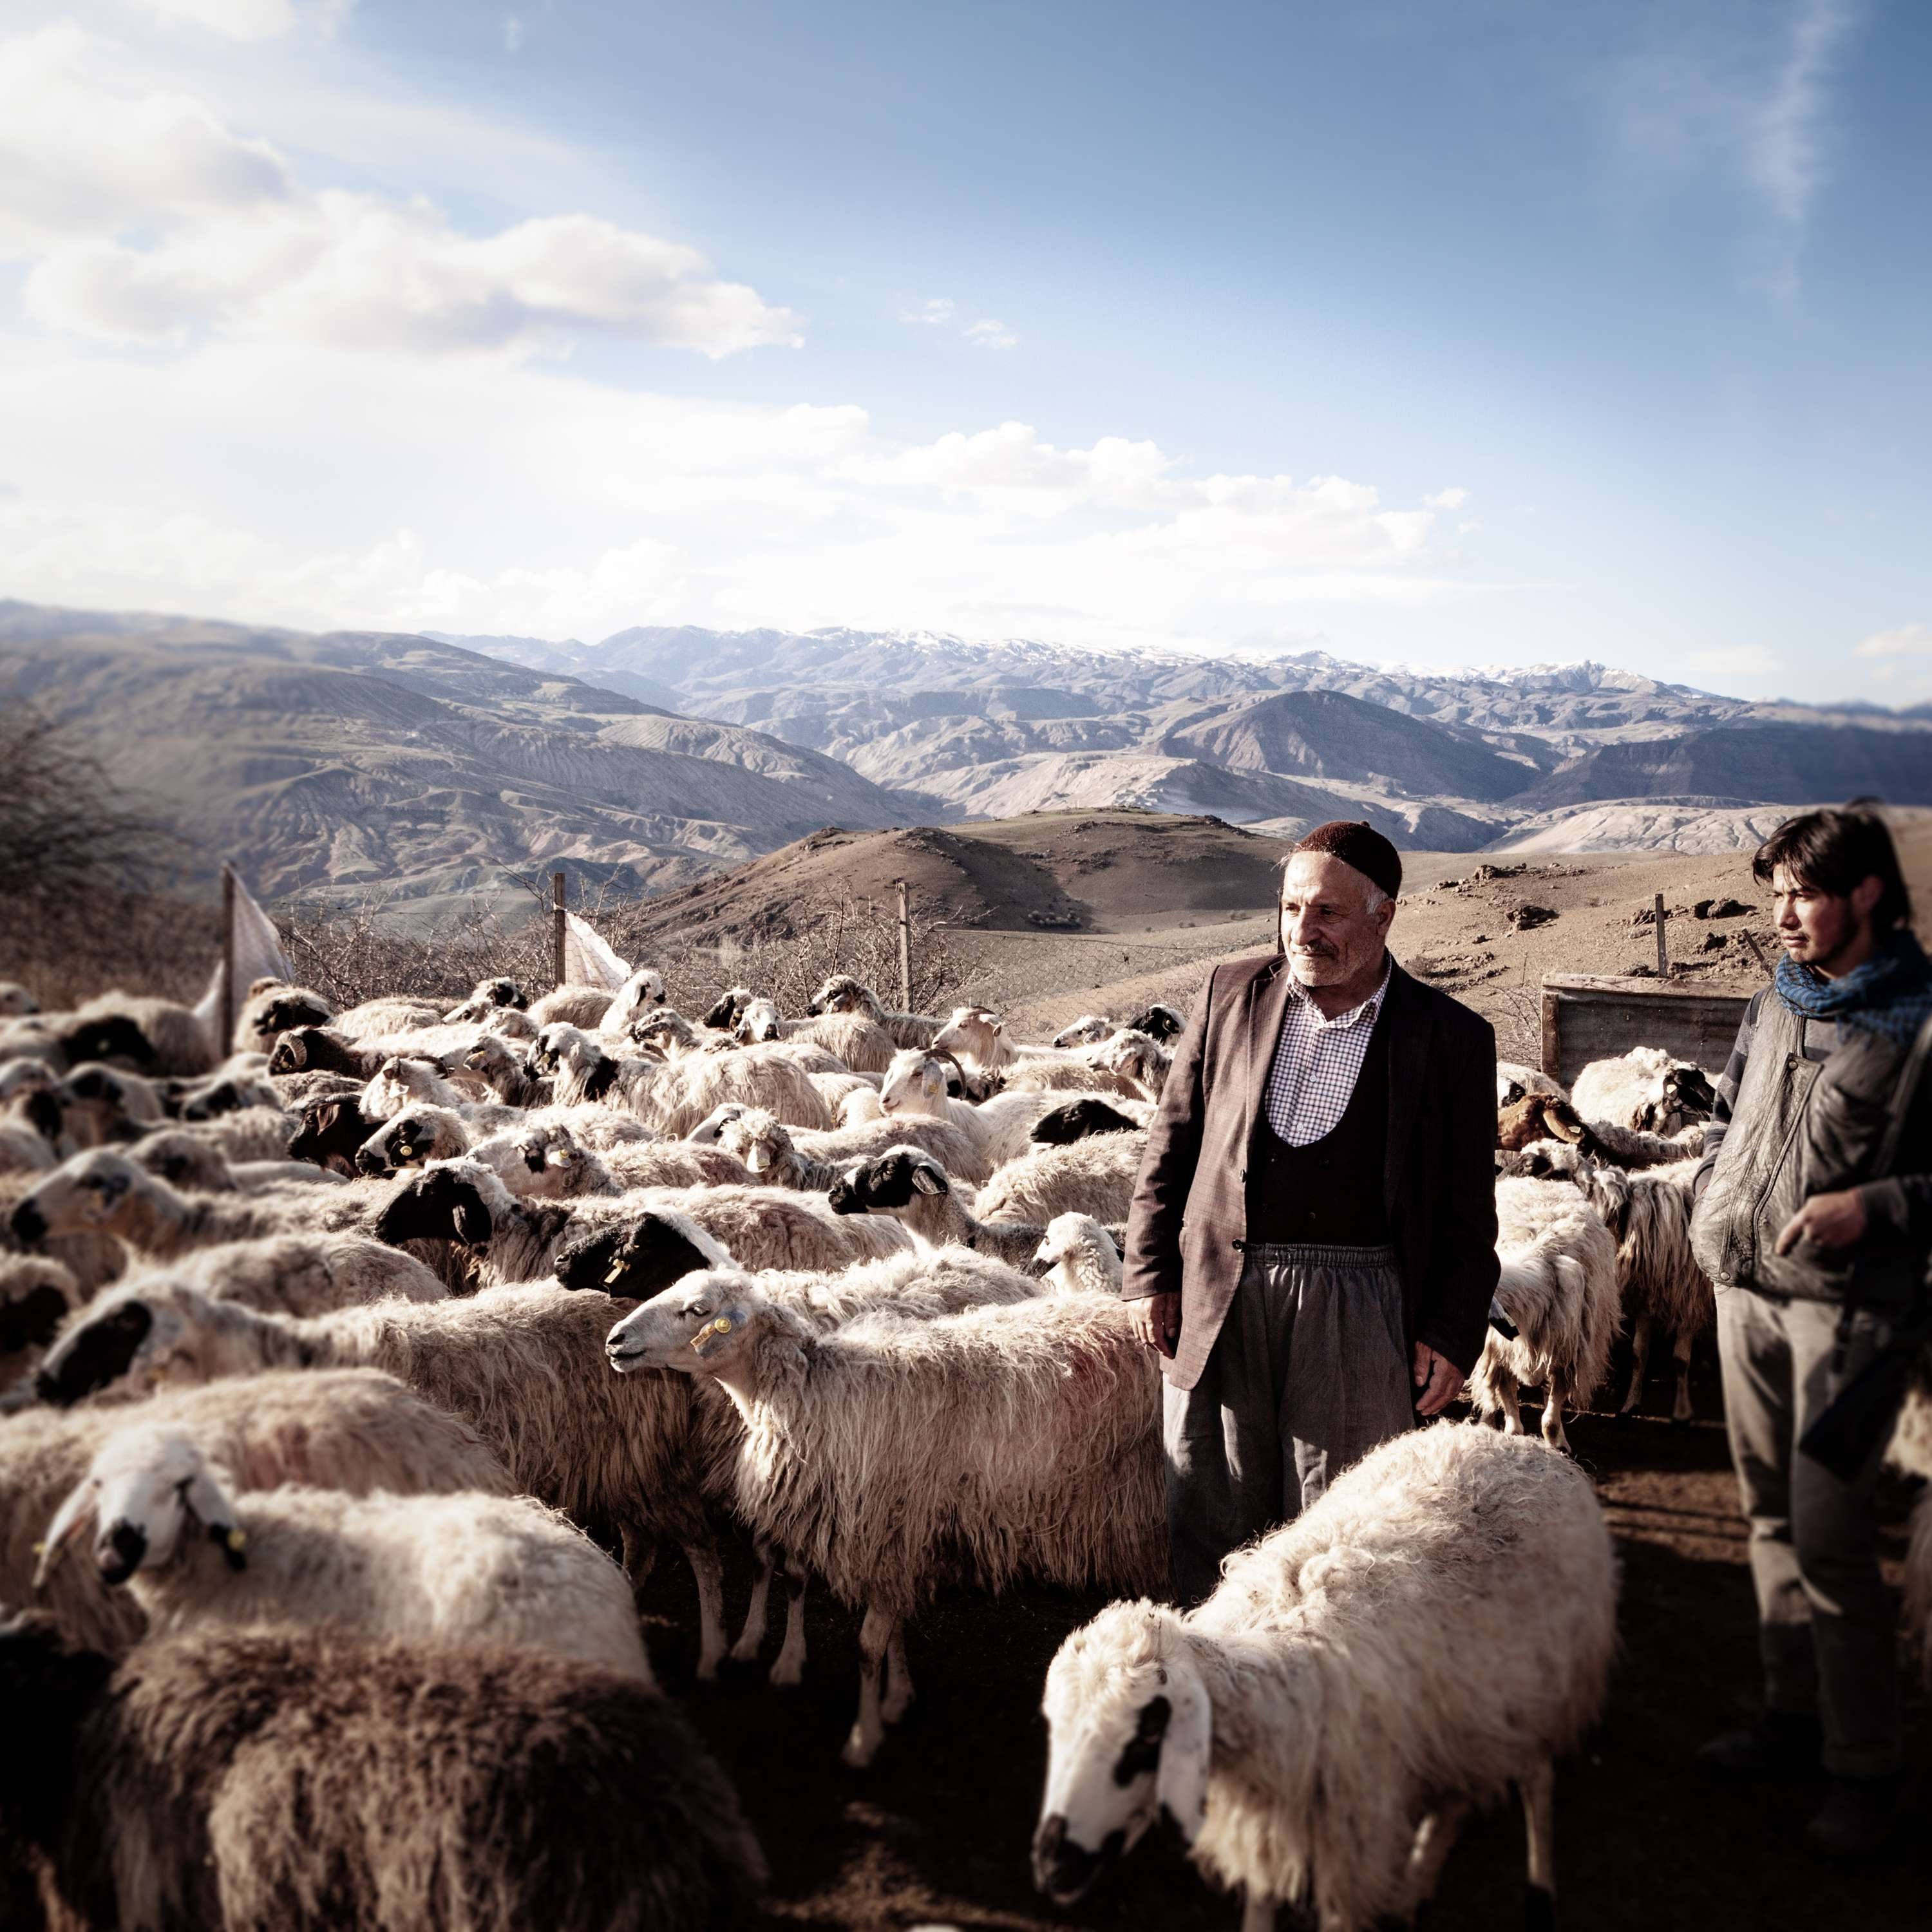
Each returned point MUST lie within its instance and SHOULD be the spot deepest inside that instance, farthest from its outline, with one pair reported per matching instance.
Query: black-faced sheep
(1438, 1626)
(312, 1779)
(1646, 1089)
(913, 1189)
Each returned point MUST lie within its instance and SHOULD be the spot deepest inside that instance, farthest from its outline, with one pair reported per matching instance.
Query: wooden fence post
(905, 950)
(229, 1003)
(1663, 946)
(557, 922)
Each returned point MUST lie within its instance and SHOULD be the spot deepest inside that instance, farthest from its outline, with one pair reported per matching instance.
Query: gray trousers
(1827, 1626)
(1309, 1374)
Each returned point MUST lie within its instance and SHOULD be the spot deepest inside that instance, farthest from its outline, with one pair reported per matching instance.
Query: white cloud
(990, 334)
(150, 220)
(936, 309)
(235, 19)
(1447, 499)
(1904, 640)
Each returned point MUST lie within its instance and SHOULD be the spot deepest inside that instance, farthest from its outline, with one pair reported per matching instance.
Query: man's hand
(1439, 1379)
(1157, 1321)
(1832, 1220)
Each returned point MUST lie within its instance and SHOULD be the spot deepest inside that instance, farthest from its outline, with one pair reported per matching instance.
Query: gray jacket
(1801, 1125)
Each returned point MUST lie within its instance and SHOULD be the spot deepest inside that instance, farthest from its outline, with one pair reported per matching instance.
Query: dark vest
(1330, 1191)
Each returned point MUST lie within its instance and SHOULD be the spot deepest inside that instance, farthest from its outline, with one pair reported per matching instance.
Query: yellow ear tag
(40, 1549)
(706, 1336)
(615, 1274)
(236, 1538)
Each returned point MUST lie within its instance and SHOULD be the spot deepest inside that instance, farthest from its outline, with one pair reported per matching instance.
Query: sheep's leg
(1680, 1410)
(1257, 1912)
(1552, 1411)
(869, 1729)
(1435, 1839)
(1538, 1793)
(709, 1572)
(1505, 1385)
(790, 1666)
(751, 1638)
(640, 1552)
(1640, 1363)
(899, 1692)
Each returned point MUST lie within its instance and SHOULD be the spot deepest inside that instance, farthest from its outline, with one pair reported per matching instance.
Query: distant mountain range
(430, 766)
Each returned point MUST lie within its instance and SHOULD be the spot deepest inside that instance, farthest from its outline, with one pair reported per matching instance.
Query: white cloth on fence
(258, 955)
(587, 960)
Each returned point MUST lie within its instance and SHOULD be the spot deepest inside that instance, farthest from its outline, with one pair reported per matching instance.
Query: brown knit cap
(1356, 843)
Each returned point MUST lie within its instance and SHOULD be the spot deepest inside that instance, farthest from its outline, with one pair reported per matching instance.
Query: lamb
(312, 1779)
(1646, 1089)
(507, 1072)
(1649, 1215)
(1004, 1442)
(1438, 1626)
(913, 1188)
(915, 1084)
(1136, 1057)
(1095, 1177)
(522, 1364)
(1079, 1256)
(842, 994)
(466, 1566)
(352, 1429)
(1558, 1291)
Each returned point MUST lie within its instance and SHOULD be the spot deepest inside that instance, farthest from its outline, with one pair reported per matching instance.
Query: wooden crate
(1589, 1016)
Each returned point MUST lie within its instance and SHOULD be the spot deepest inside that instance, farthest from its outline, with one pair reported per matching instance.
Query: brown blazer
(1189, 1213)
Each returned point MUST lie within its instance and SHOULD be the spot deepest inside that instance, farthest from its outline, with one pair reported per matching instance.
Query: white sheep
(914, 1189)
(1089, 1030)
(816, 1160)
(352, 1430)
(674, 1096)
(576, 1005)
(523, 1366)
(1513, 1080)
(488, 999)
(404, 1081)
(1438, 1626)
(1645, 1089)
(1558, 1289)
(915, 1084)
(842, 994)
(1095, 1176)
(193, 1548)
(193, 1164)
(1002, 1443)
(1078, 1256)
(37, 1294)
(506, 1069)
(639, 994)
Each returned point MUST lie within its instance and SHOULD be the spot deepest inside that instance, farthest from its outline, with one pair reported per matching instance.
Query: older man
(1312, 1244)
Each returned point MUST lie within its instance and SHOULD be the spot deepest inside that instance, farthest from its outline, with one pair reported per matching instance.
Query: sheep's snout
(843, 1197)
(119, 1553)
(29, 1224)
(1064, 1869)
(368, 1161)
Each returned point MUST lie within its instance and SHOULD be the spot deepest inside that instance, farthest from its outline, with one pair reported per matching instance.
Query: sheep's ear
(209, 1501)
(1563, 1122)
(929, 1181)
(1181, 1783)
(74, 1517)
(473, 1223)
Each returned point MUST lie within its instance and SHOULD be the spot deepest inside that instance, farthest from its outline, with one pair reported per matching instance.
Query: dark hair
(1835, 852)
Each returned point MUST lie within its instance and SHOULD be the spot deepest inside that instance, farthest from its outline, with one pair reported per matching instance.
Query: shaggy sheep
(1646, 1089)
(1085, 1118)
(99, 1105)
(1002, 1443)
(522, 1364)
(1136, 1057)
(816, 1161)
(387, 1015)
(37, 1295)
(507, 1070)
(842, 994)
(1089, 1030)
(1164, 1024)
(156, 1037)
(463, 1568)
(194, 1164)
(242, 1083)
(275, 1008)
(856, 1040)
(977, 1038)
(1558, 1289)
(642, 992)
(1438, 1626)
(488, 998)
(315, 1049)
(312, 1780)
(1095, 1177)
(331, 1129)
(1535, 1117)
(575, 1006)
(1649, 1215)
(25, 1149)
(913, 1189)
(1513, 1080)
(915, 1084)
(413, 1137)
(352, 1429)
(1079, 1256)
(399, 1082)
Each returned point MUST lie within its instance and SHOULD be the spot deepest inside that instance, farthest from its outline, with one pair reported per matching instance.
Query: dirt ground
(935, 1834)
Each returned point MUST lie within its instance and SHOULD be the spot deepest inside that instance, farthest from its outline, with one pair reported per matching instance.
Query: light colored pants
(1308, 1374)
(1827, 1625)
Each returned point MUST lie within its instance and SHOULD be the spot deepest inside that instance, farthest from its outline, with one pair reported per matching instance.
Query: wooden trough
(1589, 1016)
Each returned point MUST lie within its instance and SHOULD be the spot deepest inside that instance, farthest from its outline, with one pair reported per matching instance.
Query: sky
(1445, 332)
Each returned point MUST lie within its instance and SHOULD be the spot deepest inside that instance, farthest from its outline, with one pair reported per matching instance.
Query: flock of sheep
(336, 1364)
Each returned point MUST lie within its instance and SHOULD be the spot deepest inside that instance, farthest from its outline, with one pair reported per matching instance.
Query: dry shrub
(350, 953)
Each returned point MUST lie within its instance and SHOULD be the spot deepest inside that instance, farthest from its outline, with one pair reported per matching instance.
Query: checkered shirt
(1317, 1063)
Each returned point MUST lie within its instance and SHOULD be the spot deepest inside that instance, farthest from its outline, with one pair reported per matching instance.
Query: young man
(1312, 1244)
(1814, 1258)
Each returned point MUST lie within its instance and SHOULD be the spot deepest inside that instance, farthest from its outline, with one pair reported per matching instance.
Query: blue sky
(1445, 333)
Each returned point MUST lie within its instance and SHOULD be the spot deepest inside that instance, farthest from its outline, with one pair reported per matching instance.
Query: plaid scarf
(1891, 994)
